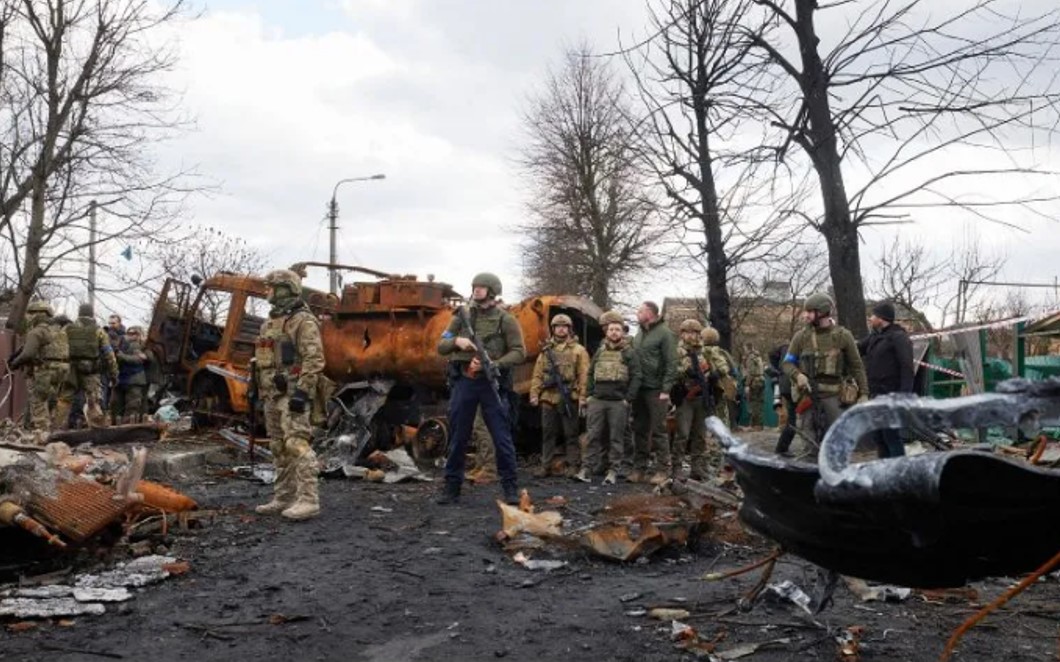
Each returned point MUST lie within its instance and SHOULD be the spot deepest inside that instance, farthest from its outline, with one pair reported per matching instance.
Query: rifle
(706, 384)
(252, 401)
(488, 366)
(818, 419)
(557, 381)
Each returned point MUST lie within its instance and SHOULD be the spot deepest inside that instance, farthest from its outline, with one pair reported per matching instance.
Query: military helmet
(86, 310)
(561, 320)
(284, 277)
(691, 325)
(39, 306)
(611, 317)
(490, 281)
(819, 302)
(710, 336)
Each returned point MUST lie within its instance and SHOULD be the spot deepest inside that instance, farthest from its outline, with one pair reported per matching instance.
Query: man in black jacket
(888, 354)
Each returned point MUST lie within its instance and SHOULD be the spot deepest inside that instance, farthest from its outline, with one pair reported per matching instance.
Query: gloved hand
(296, 404)
(803, 381)
(279, 380)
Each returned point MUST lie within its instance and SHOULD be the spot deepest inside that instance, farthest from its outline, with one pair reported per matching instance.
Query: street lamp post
(333, 226)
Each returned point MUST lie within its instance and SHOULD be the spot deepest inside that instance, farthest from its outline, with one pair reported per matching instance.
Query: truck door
(169, 320)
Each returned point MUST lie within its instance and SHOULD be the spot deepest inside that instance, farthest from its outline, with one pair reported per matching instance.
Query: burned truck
(379, 339)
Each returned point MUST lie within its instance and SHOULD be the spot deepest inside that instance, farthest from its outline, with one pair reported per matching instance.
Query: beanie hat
(884, 310)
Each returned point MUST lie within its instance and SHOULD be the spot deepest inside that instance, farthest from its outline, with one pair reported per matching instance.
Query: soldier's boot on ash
(450, 493)
(283, 493)
(510, 490)
(307, 498)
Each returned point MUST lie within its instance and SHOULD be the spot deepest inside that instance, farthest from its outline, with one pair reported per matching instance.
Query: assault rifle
(818, 418)
(253, 395)
(705, 382)
(557, 381)
(488, 366)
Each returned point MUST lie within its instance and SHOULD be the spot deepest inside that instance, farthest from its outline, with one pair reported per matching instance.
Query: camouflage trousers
(43, 387)
(128, 401)
(482, 442)
(755, 390)
(91, 385)
(289, 433)
(690, 437)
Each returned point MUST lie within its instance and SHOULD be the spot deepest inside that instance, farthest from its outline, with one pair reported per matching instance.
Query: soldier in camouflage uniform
(290, 360)
(44, 356)
(572, 364)
(471, 388)
(130, 394)
(754, 375)
(613, 382)
(830, 353)
(691, 416)
(90, 355)
(723, 405)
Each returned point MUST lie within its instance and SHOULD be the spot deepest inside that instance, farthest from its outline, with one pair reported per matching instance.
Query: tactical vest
(56, 348)
(609, 365)
(84, 341)
(829, 360)
(275, 349)
(490, 333)
(564, 357)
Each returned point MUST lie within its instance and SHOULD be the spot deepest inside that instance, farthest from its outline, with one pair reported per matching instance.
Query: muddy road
(386, 575)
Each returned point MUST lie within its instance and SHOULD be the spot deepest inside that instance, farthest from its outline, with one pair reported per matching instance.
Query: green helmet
(710, 336)
(611, 317)
(39, 306)
(285, 277)
(691, 325)
(562, 320)
(819, 302)
(490, 281)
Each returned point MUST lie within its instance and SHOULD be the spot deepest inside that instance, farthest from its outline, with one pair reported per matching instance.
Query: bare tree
(892, 112)
(82, 104)
(592, 222)
(695, 76)
(911, 276)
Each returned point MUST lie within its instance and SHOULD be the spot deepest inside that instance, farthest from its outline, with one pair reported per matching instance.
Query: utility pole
(333, 227)
(92, 253)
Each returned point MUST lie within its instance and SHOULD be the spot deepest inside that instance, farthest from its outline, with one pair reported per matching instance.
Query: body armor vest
(84, 341)
(609, 364)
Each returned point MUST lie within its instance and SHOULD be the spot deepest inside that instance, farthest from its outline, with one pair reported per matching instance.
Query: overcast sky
(291, 96)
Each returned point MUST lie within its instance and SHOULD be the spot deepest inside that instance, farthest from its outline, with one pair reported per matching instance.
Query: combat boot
(511, 492)
(582, 476)
(307, 501)
(450, 494)
(283, 492)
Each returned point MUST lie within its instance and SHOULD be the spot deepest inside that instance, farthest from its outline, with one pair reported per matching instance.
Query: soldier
(820, 356)
(754, 374)
(470, 387)
(45, 355)
(290, 360)
(90, 355)
(613, 382)
(562, 360)
(128, 397)
(656, 348)
(724, 405)
(692, 410)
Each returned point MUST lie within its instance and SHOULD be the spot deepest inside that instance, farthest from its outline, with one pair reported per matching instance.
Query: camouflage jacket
(289, 344)
(572, 362)
(833, 353)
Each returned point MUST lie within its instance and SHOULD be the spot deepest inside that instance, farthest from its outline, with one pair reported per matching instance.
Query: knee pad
(296, 447)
